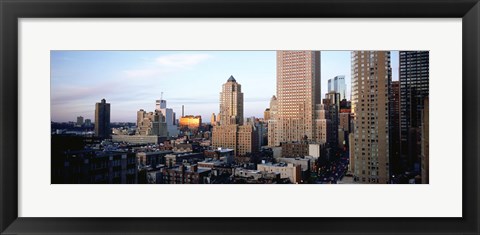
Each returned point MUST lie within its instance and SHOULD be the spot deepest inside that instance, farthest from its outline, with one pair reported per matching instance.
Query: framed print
(239, 117)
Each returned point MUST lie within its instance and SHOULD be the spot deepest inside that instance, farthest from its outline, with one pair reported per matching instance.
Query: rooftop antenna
(161, 95)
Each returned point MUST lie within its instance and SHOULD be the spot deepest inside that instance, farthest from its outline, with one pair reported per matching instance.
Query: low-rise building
(290, 171)
(186, 174)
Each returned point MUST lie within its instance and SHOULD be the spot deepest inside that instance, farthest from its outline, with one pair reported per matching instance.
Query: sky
(133, 80)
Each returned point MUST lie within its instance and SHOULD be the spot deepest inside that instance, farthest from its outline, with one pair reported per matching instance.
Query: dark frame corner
(12, 10)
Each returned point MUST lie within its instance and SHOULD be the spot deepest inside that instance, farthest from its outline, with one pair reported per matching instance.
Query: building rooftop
(231, 79)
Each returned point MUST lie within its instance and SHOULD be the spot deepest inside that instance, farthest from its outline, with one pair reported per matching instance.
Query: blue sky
(133, 80)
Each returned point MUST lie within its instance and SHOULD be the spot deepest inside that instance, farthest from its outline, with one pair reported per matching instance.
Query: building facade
(298, 93)
(338, 85)
(190, 122)
(102, 119)
(231, 103)
(414, 87)
(371, 78)
(151, 123)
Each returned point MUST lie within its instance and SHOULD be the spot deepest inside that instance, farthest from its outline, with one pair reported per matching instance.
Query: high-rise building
(371, 78)
(323, 124)
(152, 123)
(266, 114)
(414, 86)
(231, 103)
(172, 128)
(298, 93)
(395, 163)
(273, 138)
(231, 133)
(102, 119)
(338, 85)
(213, 120)
(425, 161)
(79, 121)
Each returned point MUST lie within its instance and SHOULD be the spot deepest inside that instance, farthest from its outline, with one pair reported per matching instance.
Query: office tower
(414, 84)
(231, 103)
(102, 119)
(213, 120)
(160, 104)
(172, 128)
(371, 78)
(273, 139)
(79, 121)
(183, 110)
(338, 85)
(151, 123)
(425, 143)
(323, 124)
(298, 93)
(266, 114)
(343, 129)
(231, 133)
(88, 122)
(395, 164)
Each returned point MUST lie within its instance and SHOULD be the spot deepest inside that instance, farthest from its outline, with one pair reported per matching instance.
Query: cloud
(168, 63)
(181, 60)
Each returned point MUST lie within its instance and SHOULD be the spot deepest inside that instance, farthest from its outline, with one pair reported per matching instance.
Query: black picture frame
(12, 10)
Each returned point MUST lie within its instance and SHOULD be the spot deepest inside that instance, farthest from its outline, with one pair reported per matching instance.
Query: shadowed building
(414, 87)
(102, 119)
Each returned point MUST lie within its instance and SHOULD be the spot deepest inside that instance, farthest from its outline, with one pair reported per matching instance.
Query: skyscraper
(272, 135)
(231, 133)
(213, 119)
(231, 103)
(102, 119)
(79, 121)
(338, 85)
(172, 128)
(371, 78)
(414, 85)
(395, 164)
(298, 93)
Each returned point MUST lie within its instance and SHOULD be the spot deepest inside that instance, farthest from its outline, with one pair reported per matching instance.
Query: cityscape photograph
(239, 117)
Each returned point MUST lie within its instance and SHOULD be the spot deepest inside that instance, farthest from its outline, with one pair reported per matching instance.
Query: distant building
(172, 128)
(102, 119)
(231, 103)
(88, 122)
(273, 138)
(79, 121)
(338, 85)
(152, 123)
(190, 122)
(213, 120)
(138, 139)
(266, 114)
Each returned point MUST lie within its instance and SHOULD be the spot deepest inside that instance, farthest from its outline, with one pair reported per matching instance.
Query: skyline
(133, 80)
